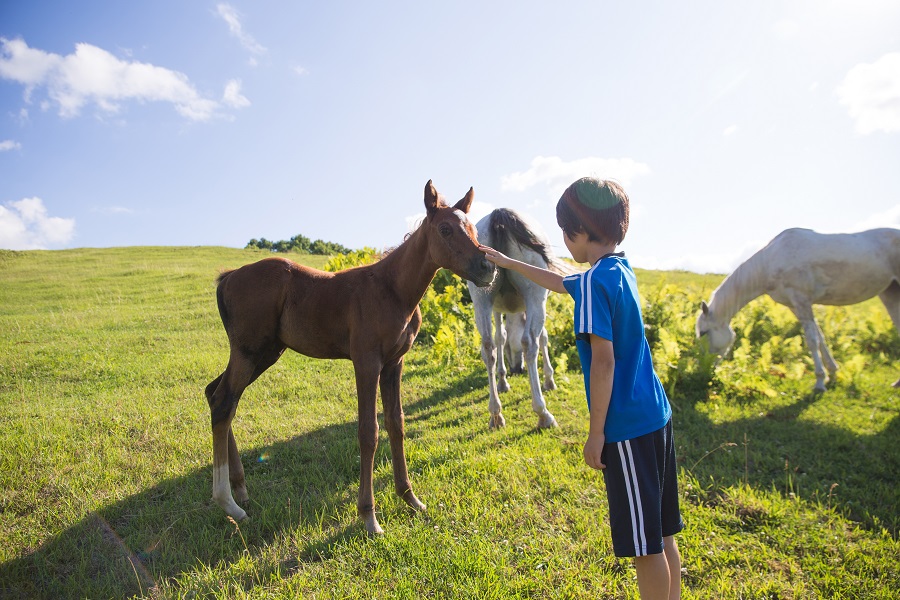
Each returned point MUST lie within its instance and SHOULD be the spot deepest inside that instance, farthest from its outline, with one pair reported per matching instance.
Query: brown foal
(368, 314)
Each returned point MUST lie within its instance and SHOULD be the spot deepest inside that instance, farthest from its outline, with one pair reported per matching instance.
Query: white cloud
(25, 225)
(233, 96)
(299, 70)
(730, 130)
(93, 75)
(231, 16)
(554, 172)
(871, 92)
(7, 145)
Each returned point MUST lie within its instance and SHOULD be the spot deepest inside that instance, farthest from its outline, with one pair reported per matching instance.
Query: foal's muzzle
(482, 272)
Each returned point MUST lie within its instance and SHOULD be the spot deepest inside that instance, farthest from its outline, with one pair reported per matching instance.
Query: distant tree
(299, 243)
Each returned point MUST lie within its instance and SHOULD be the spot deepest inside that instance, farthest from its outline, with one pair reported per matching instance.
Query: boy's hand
(498, 258)
(593, 450)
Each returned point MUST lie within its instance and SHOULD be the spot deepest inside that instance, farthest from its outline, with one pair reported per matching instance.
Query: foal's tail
(220, 296)
(506, 227)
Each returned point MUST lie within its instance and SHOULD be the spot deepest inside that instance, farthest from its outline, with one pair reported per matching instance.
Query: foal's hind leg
(223, 394)
(891, 299)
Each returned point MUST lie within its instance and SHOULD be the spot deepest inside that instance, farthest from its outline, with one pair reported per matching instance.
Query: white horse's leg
(515, 328)
(811, 335)
(830, 365)
(489, 353)
(891, 299)
(534, 326)
(500, 341)
(549, 383)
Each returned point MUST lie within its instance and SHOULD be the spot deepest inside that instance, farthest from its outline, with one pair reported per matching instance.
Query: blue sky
(210, 123)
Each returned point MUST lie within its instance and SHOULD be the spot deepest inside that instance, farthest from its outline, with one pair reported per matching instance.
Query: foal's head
(452, 239)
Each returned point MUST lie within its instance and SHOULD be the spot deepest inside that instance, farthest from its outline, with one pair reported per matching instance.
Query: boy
(630, 434)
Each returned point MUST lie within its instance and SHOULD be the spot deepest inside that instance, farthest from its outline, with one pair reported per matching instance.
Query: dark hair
(596, 207)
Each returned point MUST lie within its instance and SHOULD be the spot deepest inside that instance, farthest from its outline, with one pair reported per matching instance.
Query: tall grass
(105, 453)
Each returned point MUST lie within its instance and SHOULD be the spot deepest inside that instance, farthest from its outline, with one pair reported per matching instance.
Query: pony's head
(719, 334)
(452, 239)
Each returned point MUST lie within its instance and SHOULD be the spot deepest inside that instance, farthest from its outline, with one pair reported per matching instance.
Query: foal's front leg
(394, 422)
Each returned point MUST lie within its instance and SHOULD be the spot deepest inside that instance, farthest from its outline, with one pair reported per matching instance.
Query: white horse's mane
(747, 282)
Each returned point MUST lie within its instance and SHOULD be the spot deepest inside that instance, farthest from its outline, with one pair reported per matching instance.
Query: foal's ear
(466, 203)
(704, 307)
(431, 198)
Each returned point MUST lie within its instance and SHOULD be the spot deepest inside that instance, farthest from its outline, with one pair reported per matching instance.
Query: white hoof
(546, 421)
(497, 421)
(231, 509)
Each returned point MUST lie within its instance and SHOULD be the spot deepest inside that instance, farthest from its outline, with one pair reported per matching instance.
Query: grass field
(105, 453)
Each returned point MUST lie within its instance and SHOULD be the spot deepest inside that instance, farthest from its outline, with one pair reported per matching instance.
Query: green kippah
(595, 194)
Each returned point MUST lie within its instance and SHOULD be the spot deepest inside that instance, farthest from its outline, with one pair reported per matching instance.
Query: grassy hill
(105, 455)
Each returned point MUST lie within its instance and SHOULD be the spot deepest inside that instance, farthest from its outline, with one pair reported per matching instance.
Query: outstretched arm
(543, 277)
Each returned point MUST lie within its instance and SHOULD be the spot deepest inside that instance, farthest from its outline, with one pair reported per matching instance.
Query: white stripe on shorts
(634, 498)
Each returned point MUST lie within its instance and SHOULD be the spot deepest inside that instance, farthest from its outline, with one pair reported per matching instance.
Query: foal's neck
(408, 269)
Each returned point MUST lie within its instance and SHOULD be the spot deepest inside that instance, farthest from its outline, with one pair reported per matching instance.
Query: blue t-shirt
(607, 305)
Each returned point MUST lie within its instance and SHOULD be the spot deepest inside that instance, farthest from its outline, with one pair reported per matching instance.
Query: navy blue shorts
(642, 490)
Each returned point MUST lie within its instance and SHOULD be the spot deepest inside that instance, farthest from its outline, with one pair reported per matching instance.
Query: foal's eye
(445, 230)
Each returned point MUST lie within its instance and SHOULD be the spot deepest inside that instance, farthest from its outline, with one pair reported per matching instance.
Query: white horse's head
(720, 334)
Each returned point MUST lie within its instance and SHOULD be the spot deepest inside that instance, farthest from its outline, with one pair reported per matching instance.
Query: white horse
(524, 304)
(800, 268)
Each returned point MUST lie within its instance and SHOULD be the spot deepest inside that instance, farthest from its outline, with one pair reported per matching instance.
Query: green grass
(105, 454)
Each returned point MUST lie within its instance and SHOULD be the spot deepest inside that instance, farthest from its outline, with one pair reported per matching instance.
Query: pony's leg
(501, 342)
(534, 325)
(394, 423)
(515, 328)
(367, 371)
(811, 331)
(549, 383)
(490, 354)
(891, 299)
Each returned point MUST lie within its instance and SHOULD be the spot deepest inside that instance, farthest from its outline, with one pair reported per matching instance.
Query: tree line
(299, 243)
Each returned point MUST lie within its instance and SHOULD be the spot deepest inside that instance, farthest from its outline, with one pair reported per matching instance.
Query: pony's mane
(506, 227)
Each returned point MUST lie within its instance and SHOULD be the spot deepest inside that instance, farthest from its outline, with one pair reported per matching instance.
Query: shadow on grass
(779, 450)
(309, 483)
(173, 528)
